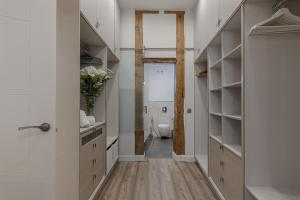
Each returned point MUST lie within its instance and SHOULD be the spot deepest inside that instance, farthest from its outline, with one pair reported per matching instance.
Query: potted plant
(91, 84)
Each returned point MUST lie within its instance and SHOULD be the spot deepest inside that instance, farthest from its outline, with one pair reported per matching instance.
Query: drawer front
(92, 157)
(233, 176)
(101, 154)
(87, 189)
(215, 160)
(87, 161)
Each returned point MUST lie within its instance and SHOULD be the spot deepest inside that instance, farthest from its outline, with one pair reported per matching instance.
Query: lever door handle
(45, 127)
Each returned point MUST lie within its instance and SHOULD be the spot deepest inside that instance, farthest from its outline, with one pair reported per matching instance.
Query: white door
(27, 97)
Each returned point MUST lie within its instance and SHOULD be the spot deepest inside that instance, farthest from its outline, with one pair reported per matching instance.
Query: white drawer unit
(112, 153)
(92, 160)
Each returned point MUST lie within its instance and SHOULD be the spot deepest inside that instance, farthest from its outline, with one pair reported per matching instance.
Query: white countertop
(83, 130)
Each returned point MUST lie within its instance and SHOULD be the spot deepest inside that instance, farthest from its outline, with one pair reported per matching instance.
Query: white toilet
(164, 130)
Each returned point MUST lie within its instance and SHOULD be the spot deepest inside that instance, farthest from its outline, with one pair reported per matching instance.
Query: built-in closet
(99, 37)
(246, 107)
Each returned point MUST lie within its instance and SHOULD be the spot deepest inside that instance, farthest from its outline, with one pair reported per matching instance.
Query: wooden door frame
(179, 135)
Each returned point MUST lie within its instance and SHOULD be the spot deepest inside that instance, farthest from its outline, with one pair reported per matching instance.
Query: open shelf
(232, 101)
(214, 55)
(216, 101)
(232, 71)
(232, 135)
(217, 64)
(274, 193)
(215, 126)
(235, 53)
(231, 42)
(215, 78)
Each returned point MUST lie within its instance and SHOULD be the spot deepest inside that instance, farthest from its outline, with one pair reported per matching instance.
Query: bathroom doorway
(159, 104)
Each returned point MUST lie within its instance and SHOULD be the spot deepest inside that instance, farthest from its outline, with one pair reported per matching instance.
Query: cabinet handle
(97, 24)
(222, 180)
(219, 22)
(221, 163)
(221, 147)
(94, 177)
(94, 162)
(94, 146)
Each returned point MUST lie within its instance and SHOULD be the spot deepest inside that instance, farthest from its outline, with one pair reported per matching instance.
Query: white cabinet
(106, 19)
(89, 10)
(117, 28)
(211, 15)
(227, 7)
(112, 154)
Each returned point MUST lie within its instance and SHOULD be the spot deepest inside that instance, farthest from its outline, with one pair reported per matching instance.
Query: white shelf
(233, 85)
(216, 137)
(216, 114)
(217, 65)
(236, 149)
(273, 193)
(235, 117)
(235, 53)
(203, 162)
(216, 89)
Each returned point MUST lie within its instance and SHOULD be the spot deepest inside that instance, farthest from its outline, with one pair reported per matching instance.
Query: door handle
(45, 127)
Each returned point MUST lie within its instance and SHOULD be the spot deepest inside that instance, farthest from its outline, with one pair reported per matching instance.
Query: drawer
(216, 163)
(92, 157)
(87, 189)
(100, 152)
(87, 161)
(100, 172)
(233, 176)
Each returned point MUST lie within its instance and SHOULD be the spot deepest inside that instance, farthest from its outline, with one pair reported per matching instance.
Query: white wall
(128, 41)
(128, 30)
(155, 107)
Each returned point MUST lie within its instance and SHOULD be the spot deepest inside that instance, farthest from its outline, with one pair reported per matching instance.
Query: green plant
(91, 84)
(277, 4)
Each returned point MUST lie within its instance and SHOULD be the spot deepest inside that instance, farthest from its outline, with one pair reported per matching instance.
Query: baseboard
(132, 158)
(183, 158)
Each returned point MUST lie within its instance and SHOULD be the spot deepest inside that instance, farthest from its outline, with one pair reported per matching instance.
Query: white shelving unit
(226, 83)
(201, 115)
(272, 167)
(254, 107)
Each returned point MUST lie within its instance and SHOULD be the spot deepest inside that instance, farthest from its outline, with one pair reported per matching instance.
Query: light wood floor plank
(156, 179)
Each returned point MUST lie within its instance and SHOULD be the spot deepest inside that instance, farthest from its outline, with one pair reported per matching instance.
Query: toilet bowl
(164, 130)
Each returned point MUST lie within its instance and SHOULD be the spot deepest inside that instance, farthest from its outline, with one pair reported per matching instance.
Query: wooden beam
(139, 80)
(179, 138)
(159, 60)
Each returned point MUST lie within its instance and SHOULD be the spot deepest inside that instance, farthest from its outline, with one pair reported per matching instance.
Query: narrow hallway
(159, 179)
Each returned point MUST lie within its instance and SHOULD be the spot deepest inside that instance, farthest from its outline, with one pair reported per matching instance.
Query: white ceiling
(158, 4)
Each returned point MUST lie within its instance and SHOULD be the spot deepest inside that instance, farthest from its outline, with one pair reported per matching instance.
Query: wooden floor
(156, 179)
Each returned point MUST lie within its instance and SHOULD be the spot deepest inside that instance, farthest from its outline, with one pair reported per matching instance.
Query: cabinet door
(227, 9)
(215, 159)
(106, 19)
(207, 18)
(233, 176)
(89, 10)
(117, 28)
